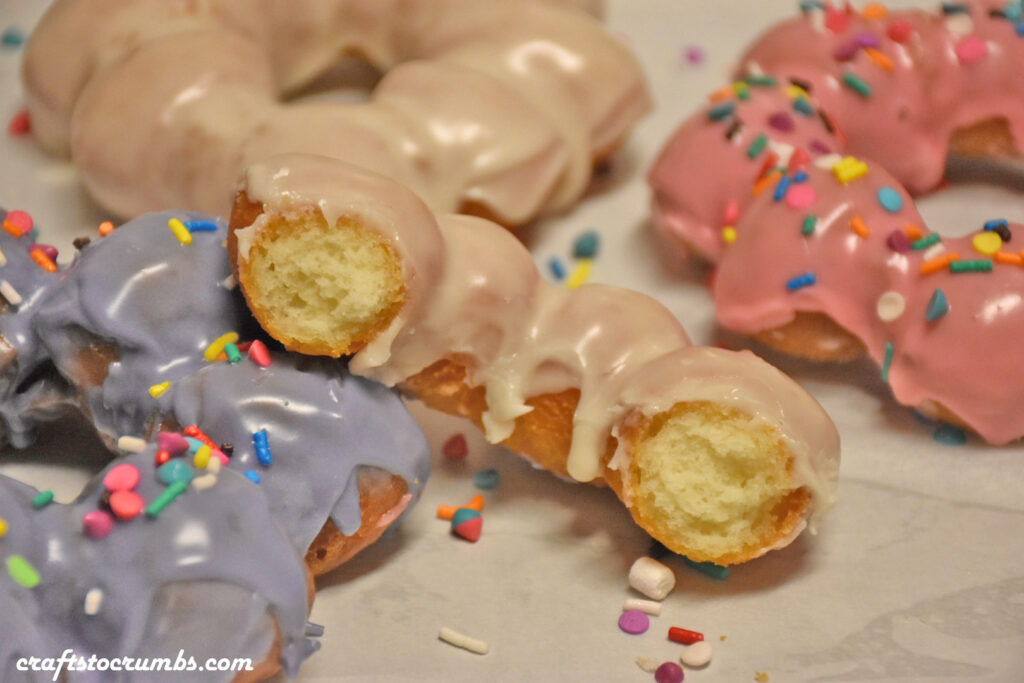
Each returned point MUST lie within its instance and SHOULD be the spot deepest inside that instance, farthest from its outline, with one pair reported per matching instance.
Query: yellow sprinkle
(580, 274)
(987, 243)
(217, 347)
(180, 231)
(849, 169)
(3, 527)
(202, 458)
(729, 234)
(795, 91)
(158, 390)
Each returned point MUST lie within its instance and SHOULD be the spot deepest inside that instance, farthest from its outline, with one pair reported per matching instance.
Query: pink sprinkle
(634, 622)
(455, 448)
(800, 195)
(836, 20)
(49, 250)
(799, 158)
(898, 241)
(259, 354)
(172, 442)
(732, 212)
(123, 477)
(971, 49)
(21, 220)
(97, 524)
(20, 124)
(126, 504)
(693, 54)
(219, 454)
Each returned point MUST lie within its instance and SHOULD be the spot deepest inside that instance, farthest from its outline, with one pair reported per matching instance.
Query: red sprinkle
(684, 636)
(20, 124)
(161, 458)
(900, 30)
(20, 220)
(836, 20)
(455, 447)
(123, 477)
(258, 353)
(126, 504)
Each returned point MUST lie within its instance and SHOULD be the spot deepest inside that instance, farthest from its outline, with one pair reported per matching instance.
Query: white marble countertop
(916, 574)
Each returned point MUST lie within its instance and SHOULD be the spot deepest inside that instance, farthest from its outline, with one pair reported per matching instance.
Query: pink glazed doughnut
(808, 216)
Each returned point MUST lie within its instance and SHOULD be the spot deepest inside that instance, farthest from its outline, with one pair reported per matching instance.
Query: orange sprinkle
(43, 261)
(913, 232)
(940, 263)
(106, 227)
(874, 10)
(13, 229)
(879, 58)
(448, 511)
(1008, 258)
(769, 164)
(858, 225)
(762, 184)
(721, 94)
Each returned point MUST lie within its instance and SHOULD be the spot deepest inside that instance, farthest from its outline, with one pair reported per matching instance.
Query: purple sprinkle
(50, 251)
(782, 121)
(693, 54)
(634, 622)
(846, 51)
(898, 241)
(669, 672)
(868, 40)
(819, 147)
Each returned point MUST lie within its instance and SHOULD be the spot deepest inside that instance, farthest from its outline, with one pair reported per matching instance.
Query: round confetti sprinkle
(891, 306)
(696, 655)
(728, 234)
(971, 49)
(126, 504)
(801, 196)
(950, 435)
(22, 220)
(693, 54)
(900, 30)
(174, 471)
(123, 477)
(898, 241)
(634, 622)
(3, 527)
(487, 479)
(890, 199)
(669, 672)
(20, 124)
(97, 524)
(467, 523)
(455, 448)
(987, 243)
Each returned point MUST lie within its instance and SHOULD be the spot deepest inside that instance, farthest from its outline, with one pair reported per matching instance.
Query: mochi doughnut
(796, 182)
(498, 108)
(715, 453)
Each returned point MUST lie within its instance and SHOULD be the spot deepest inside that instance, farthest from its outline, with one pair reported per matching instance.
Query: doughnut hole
(319, 289)
(715, 482)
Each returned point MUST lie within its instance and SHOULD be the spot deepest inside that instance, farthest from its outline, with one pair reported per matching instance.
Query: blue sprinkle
(253, 476)
(996, 224)
(12, 37)
(801, 281)
(802, 105)
(1013, 11)
(890, 199)
(586, 245)
(711, 569)
(193, 444)
(487, 479)
(800, 177)
(557, 269)
(938, 306)
(1020, 30)
(950, 435)
(782, 188)
(955, 8)
(811, 5)
(201, 226)
(259, 442)
(890, 351)
(721, 111)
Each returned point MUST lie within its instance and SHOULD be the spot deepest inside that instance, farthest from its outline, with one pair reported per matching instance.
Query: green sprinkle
(166, 498)
(42, 499)
(949, 435)
(810, 222)
(743, 93)
(234, 355)
(857, 84)
(803, 105)
(764, 81)
(890, 350)
(711, 569)
(978, 266)
(757, 146)
(22, 571)
(926, 242)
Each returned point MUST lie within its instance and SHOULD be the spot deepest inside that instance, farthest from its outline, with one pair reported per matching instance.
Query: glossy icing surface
(158, 304)
(522, 336)
(778, 209)
(503, 105)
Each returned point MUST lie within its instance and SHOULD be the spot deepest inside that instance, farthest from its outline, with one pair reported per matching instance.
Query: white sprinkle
(934, 251)
(205, 481)
(131, 444)
(817, 17)
(783, 150)
(651, 578)
(646, 606)
(696, 655)
(461, 640)
(891, 306)
(3, 258)
(960, 24)
(828, 161)
(93, 600)
(8, 291)
(647, 664)
(754, 69)
(214, 465)
(230, 282)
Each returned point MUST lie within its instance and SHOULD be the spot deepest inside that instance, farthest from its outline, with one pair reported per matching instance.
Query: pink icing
(868, 280)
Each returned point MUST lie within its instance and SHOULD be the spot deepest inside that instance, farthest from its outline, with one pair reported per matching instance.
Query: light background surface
(916, 574)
